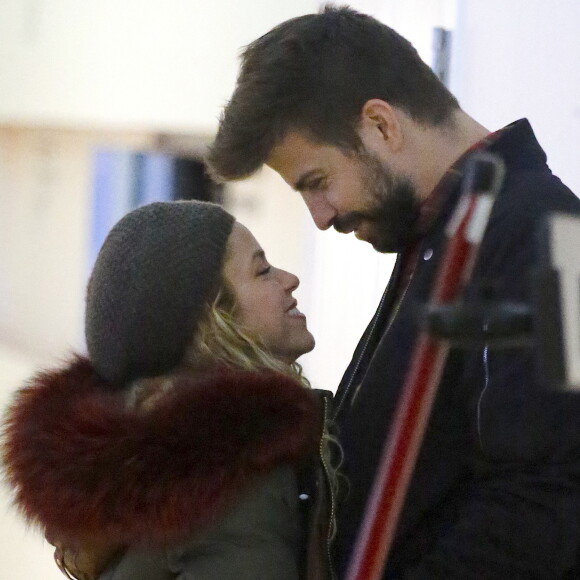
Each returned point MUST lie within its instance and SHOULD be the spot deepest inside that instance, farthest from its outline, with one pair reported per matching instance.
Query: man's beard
(393, 210)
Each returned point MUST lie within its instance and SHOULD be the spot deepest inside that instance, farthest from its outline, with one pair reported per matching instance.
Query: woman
(180, 447)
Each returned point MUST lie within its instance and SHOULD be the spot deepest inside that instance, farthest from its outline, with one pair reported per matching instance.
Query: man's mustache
(346, 223)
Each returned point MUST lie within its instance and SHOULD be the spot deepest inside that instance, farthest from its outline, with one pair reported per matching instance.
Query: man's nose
(289, 281)
(321, 211)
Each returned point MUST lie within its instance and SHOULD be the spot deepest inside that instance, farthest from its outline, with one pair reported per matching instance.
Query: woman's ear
(380, 126)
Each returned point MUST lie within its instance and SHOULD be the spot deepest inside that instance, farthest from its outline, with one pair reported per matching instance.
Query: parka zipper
(485, 386)
(330, 493)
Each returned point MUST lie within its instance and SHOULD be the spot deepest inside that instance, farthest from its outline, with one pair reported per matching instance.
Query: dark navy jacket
(496, 490)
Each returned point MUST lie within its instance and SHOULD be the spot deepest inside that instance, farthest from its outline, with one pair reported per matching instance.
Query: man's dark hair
(313, 74)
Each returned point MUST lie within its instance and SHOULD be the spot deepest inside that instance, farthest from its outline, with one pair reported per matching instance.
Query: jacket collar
(515, 143)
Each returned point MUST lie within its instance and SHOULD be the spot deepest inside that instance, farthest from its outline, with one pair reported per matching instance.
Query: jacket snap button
(304, 497)
(428, 254)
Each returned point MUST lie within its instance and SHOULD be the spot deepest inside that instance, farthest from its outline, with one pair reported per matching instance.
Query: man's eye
(316, 184)
(264, 271)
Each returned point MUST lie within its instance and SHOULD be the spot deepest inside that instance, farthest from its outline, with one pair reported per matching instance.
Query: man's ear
(380, 125)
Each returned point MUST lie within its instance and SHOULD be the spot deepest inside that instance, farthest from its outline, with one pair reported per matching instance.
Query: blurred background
(107, 104)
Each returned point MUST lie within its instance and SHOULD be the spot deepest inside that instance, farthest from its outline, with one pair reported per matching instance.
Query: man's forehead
(293, 141)
(297, 154)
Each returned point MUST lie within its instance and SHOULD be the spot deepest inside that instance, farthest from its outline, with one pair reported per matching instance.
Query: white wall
(520, 59)
(163, 64)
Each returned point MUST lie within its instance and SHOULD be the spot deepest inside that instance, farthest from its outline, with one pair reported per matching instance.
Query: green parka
(203, 484)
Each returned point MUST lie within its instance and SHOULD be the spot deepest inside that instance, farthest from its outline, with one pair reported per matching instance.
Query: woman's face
(265, 306)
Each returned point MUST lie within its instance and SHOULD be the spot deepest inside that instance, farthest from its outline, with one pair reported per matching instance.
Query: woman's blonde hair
(221, 340)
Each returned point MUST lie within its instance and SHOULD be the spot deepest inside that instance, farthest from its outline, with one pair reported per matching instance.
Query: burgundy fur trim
(82, 465)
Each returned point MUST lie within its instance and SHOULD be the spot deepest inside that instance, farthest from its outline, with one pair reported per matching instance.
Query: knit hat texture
(157, 268)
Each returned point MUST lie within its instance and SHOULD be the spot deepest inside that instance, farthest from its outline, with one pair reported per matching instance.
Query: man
(345, 111)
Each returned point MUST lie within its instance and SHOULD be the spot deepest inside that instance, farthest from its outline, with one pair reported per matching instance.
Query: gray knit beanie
(155, 271)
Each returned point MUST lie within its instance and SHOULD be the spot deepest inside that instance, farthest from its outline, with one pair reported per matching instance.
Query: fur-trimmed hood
(83, 465)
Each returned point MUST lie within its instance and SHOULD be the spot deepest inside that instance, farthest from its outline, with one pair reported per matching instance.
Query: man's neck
(440, 147)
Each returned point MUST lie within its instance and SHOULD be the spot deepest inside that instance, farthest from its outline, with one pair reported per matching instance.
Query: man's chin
(383, 248)
(389, 236)
(380, 243)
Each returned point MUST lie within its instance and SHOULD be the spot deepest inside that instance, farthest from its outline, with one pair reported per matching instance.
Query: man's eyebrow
(301, 183)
